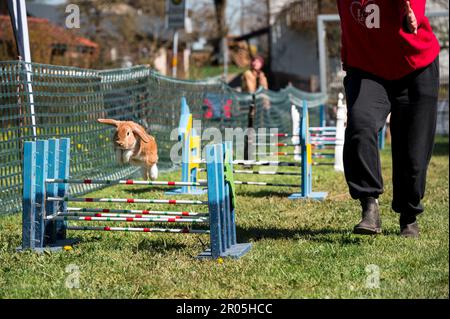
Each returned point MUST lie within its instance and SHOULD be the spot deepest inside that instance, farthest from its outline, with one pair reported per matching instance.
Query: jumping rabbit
(134, 146)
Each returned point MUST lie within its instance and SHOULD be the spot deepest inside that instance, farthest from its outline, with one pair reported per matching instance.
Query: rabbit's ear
(139, 131)
(109, 122)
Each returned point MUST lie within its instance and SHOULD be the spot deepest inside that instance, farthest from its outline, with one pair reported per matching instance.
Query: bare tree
(204, 22)
(114, 23)
(255, 15)
(220, 6)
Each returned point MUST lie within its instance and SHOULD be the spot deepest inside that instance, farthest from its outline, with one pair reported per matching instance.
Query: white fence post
(341, 118)
(296, 132)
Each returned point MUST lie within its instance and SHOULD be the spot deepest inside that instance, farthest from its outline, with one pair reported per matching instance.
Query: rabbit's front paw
(154, 172)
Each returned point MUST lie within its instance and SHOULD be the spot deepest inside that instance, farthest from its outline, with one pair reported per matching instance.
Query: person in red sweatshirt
(391, 57)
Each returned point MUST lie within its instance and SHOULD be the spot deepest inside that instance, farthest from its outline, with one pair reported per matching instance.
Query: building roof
(58, 34)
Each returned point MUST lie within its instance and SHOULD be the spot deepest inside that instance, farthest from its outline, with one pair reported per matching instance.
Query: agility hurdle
(191, 157)
(46, 215)
(321, 138)
(336, 135)
(305, 166)
(306, 160)
(305, 145)
(191, 152)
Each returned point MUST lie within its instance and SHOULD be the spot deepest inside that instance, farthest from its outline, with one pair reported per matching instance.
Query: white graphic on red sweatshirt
(366, 13)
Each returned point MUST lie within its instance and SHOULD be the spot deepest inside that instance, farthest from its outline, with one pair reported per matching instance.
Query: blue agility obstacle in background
(46, 194)
(323, 115)
(382, 138)
(306, 161)
(191, 152)
(191, 165)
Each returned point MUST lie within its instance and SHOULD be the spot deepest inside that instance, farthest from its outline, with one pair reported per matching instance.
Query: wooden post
(249, 137)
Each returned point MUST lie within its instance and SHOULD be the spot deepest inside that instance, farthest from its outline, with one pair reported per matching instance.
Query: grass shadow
(158, 245)
(343, 236)
(267, 193)
(257, 233)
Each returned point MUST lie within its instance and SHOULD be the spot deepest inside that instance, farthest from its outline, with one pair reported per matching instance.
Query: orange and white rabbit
(134, 146)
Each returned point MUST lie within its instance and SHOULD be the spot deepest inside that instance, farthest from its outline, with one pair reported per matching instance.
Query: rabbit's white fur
(154, 172)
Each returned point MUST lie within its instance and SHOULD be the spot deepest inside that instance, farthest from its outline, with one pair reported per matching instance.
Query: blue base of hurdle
(56, 246)
(235, 251)
(179, 191)
(314, 195)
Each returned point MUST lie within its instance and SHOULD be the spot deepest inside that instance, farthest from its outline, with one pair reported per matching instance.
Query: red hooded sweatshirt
(375, 39)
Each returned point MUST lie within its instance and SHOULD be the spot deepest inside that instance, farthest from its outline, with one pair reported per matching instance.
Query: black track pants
(412, 102)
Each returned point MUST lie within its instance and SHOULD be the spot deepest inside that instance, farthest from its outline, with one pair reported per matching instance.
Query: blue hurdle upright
(46, 197)
(191, 152)
(306, 161)
(382, 138)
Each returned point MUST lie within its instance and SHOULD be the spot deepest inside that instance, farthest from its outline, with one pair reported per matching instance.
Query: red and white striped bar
(140, 230)
(266, 163)
(323, 153)
(323, 138)
(281, 173)
(324, 147)
(277, 144)
(266, 173)
(259, 172)
(136, 216)
(122, 182)
(322, 129)
(293, 153)
(133, 212)
(129, 219)
(257, 163)
(265, 184)
(275, 134)
(127, 200)
(328, 143)
(312, 134)
(278, 154)
(299, 164)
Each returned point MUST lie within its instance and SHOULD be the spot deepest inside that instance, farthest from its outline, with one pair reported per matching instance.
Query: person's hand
(411, 20)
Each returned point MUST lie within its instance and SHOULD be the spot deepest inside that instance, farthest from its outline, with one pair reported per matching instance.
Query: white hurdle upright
(341, 118)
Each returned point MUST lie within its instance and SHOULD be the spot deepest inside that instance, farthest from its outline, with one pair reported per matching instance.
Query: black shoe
(371, 221)
(409, 226)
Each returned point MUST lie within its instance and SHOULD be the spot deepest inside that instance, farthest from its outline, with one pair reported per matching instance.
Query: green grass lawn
(301, 249)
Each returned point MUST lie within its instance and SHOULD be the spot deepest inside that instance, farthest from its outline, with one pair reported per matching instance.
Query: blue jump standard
(235, 251)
